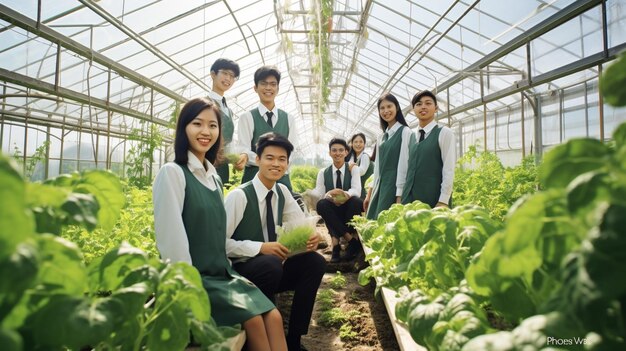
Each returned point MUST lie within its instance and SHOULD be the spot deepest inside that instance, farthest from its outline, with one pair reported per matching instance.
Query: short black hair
(399, 116)
(187, 114)
(419, 95)
(273, 139)
(339, 141)
(224, 63)
(264, 72)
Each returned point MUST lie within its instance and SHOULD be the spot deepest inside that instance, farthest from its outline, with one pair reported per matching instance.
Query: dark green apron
(364, 177)
(384, 192)
(228, 129)
(233, 298)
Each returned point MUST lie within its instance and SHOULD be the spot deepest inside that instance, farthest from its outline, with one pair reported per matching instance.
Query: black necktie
(385, 137)
(269, 118)
(422, 133)
(271, 229)
(338, 182)
(224, 102)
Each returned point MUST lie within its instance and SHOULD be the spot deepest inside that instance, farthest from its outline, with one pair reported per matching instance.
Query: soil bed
(366, 325)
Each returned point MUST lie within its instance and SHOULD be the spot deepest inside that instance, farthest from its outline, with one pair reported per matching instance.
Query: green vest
(228, 129)
(203, 209)
(384, 192)
(281, 126)
(250, 227)
(346, 183)
(424, 176)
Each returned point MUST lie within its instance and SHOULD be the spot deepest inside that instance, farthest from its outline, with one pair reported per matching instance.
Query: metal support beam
(32, 83)
(19, 20)
(577, 8)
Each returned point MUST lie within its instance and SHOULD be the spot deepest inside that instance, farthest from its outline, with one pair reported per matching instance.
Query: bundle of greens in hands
(295, 234)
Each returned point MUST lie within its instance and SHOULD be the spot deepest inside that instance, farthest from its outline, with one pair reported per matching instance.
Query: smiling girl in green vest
(357, 157)
(190, 226)
(392, 150)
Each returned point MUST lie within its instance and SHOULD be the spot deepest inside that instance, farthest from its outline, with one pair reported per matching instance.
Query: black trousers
(301, 274)
(337, 217)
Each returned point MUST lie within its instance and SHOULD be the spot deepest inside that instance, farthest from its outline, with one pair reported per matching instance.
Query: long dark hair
(181, 143)
(399, 115)
(352, 153)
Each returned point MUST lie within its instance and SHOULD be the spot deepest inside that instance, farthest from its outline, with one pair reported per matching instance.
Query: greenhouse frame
(96, 75)
(495, 221)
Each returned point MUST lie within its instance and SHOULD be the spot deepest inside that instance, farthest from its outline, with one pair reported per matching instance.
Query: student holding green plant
(224, 73)
(392, 150)
(190, 226)
(432, 158)
(339, 190)
(254, 210)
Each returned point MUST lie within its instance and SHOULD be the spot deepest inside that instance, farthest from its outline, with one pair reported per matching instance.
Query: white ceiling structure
(107, 65)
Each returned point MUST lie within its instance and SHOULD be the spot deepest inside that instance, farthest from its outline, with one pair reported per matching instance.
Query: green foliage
(418, 247)
(296, 238)
(481, 179)
(38, 156)
(335, 317)
(124, 300)
(141, 156)
(325, 299)
(338, 281)
(346, 332)
(134, 226)
(303, 178)
(322, 67)
(612, 82)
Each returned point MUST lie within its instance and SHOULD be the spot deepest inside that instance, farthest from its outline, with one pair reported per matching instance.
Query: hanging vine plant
(321, 26)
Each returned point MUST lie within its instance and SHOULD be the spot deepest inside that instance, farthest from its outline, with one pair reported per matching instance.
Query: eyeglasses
(266, 84)
(228, 74)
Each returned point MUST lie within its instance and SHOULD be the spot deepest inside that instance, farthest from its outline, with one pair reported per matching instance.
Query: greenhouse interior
(523, 246)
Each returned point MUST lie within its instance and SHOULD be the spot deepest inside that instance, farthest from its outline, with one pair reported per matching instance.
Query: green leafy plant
(338, 281)
(325, 299)
(346, 332)
(141, 156)
(296, 238)
(123, 300)
(303, 178)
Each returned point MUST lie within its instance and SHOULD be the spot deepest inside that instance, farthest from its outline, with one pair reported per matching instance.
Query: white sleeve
(365, 163)
(403, 161)
(376, 163)
(235, 205)
(320, 189)
(245, 129)
(447, 145)
(168, 198)
(292, 210)
(355, 186)
(293, 131)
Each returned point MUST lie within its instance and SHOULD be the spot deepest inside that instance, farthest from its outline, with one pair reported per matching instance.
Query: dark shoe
(353, 249)
(336, 257)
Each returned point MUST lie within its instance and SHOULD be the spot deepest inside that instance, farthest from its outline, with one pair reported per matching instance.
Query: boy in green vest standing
(253, 210)
(339, 191)
(263, 119)
(224, 73)
(432, 158)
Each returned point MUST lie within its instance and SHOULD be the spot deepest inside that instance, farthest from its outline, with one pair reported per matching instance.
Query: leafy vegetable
(296, 238)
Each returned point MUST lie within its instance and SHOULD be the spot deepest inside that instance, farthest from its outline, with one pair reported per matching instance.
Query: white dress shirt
(355, 183)
(217, 97)
(365, 163)
(235, 204)
(245, 130)
(168, 196)
(403, 158)
(448, 156)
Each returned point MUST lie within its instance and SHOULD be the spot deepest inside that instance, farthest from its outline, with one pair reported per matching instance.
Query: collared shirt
(448, 156)
(168, 196)
(355, 184)
(217, 97)
(235, 204)
(245, 130)
(365, 163)
(403, 158)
